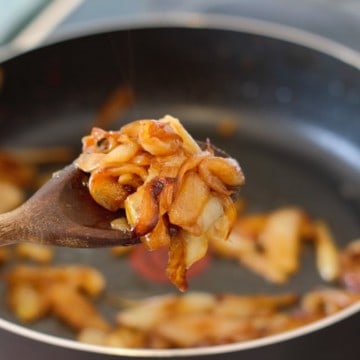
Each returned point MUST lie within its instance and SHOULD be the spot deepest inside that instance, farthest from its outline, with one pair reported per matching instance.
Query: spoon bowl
(63, 213)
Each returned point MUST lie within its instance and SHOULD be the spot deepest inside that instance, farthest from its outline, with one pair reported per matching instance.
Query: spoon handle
(14, 228)
(61, 213)
(23, 225)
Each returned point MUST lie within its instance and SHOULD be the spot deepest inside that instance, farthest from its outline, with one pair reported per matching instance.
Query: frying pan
(295, 99)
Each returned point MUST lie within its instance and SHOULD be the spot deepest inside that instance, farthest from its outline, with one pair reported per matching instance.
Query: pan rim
(252, 26)
(170, 353)
(194, 20)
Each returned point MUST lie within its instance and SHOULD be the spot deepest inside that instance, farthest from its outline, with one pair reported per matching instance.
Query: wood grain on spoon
(63, 213)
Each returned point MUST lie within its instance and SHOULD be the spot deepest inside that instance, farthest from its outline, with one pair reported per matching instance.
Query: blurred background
(321, 94)
(27, 23)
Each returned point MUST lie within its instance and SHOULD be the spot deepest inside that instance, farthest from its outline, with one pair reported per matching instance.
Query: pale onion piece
(120, 224)
(97, 134)
(127, 169)
(84, 278)
(261, 265)
(233, 247)
(11, 196)
(276, 323)
(212, 221)
(142, 159)
(122, 138)
(227, 329)
(132, 206)
(158, 138)
(27, 302)
(130, 179)
(91, 280)
(220, 231)
(193, 329)
(327, 257)
(126, 338)
(41, 254)
(92, 336)
(87, 279)
(106, 191)
(89, 162)
(188, 142)
(327, 301)
(158, 237)
(208, 218)
(214, 183)
(156, 341)
(251, 225)
(172, 188)
(212, 211)
(148, 313)
(81, 277)
(152, 172)
(244, 250)
(195, 248)
(280, 238)
(74, 309)
(191, 163)
(26, 274)
(189, 200)
(195, 302)
(185, 330)
(254, 305)
(222, 227)
(131, 130)
(227, 170)
(120, 154)
(169, 166)
(353, 248)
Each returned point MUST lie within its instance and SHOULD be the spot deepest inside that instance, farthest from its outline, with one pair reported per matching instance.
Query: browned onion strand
(158, 173)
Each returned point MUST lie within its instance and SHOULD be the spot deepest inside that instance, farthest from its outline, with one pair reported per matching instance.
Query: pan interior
(273, 140)
(275, 177)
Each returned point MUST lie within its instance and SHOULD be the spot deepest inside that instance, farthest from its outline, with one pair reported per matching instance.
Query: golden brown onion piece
(174, 193)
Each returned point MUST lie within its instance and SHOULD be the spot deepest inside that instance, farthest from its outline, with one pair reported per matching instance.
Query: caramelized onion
(189, 201)
(174, 194)
(110, 194)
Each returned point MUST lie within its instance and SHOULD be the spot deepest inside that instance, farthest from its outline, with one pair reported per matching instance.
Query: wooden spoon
(63, 213)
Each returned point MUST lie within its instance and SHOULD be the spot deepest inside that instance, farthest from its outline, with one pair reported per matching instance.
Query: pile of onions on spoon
(174, 193)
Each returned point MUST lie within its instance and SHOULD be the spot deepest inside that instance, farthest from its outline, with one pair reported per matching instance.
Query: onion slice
(174, 193)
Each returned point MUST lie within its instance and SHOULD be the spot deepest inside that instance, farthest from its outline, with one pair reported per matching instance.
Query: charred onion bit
(158, 173)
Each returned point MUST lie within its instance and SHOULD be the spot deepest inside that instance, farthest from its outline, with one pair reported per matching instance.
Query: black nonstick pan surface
(297, 137)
